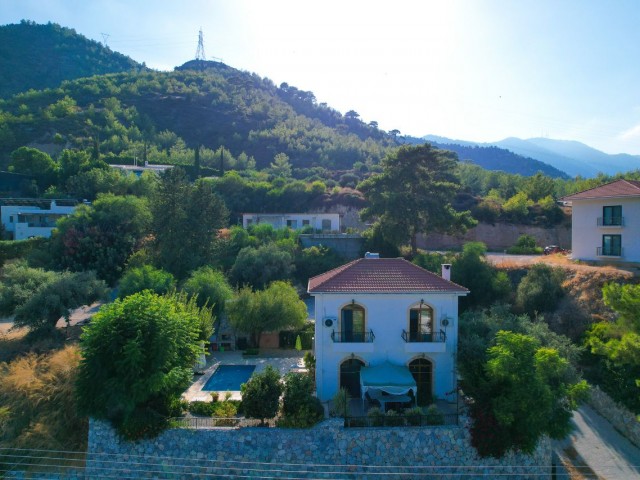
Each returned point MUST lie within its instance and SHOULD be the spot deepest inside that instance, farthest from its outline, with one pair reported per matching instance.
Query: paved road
(596, 450)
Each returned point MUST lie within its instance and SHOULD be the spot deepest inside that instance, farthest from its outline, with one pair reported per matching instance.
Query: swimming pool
(229, 378)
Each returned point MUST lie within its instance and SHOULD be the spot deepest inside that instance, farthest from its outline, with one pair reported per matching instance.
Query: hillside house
(392, 317)
(27, 217)
(606, 222)
(320, 222)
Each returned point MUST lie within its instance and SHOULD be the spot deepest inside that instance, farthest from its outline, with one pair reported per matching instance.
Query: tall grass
(38, 402)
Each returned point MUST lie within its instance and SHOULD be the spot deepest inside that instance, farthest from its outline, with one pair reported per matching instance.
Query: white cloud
(632, 133)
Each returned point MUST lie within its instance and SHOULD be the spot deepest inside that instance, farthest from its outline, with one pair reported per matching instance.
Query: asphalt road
(596, 450)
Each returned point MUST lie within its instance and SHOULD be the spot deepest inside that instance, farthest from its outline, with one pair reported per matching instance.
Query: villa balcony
(349, 341)
(611, 222)
(610, 252)
(431, 342)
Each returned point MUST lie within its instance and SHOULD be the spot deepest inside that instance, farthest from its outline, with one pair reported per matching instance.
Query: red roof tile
(381, 275)
(619, 188)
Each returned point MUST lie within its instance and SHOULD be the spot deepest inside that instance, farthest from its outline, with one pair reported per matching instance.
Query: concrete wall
(346, 245)
(587, 234)
(623, 420)
(325, 451)
(387, 315)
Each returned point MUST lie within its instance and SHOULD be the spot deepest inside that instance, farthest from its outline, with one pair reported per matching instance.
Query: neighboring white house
(325, 222)
(606, 222)
(25, 218)
(140, 169)
(387, 313)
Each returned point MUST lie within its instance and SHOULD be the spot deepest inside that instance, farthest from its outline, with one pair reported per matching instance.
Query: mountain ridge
(570, 156)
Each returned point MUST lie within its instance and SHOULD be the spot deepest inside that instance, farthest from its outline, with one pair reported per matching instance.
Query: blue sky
(478, 70)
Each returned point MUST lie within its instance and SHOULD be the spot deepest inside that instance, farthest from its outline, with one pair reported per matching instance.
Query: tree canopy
(413, 195)
(138, 354)
(270, 310)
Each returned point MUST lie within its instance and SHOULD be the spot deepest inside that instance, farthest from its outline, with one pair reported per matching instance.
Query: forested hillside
(42, 56)
(163, 116)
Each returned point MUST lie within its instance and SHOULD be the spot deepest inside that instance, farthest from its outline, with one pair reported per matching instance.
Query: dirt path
(505, 260)
(596, 450)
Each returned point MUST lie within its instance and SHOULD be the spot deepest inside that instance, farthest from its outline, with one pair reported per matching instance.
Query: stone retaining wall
(620, 417)
(326, 451)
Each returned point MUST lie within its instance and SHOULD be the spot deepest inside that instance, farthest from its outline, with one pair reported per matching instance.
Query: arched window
(352, 323)
(421, 323)
(422, 371)
(350, 376)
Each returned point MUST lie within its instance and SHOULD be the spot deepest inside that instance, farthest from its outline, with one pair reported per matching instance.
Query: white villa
(26, 218)
(324, 222)
(606, 222)
(387, 326)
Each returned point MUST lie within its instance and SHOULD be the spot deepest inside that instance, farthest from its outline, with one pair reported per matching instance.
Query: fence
(401, 420)
(211, 422)
(288, 339)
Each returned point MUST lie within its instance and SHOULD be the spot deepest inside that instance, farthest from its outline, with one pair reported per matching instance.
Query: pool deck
(283, 361)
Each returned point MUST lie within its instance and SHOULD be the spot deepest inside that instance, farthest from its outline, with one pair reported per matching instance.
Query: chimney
(446, 271)
(371, 255)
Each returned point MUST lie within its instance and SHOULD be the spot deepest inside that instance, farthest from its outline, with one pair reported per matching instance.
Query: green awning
(390, 378)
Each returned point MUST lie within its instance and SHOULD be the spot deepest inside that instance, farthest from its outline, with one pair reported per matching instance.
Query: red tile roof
(381, 275)
(619, 188)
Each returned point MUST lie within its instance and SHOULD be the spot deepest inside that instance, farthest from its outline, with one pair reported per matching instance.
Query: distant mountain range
(568, 156)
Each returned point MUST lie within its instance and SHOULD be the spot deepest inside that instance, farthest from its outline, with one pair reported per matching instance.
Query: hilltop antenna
(200, 51)
(105, 37)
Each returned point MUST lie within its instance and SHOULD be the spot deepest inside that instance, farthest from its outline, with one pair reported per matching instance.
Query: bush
(414, 416)
(143, 423)
(299, 407)
(261, 394)
(394, 419)
(224, 409)
(540, 290)
(434, 416)
(526, 245)
(146, 278)
(340, 403)
(202, 408)
(376, 417)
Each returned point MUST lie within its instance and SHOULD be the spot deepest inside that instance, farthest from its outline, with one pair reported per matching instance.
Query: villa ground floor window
(612, 245)
(422, 371)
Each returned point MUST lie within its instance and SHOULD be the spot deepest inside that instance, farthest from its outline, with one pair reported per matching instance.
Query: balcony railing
(610, 252)
(352, 337)
(424, 337)
(611, 222)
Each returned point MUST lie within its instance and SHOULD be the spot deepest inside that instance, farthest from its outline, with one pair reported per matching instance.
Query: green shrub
(526, 245)
(261, 394)
(143, 423)
(251, 352)
(340, 403)
(434, 416)
(224, 409)
(414, 416)
(376, 417)
(394, 419)
(202, 408)
(540, 290)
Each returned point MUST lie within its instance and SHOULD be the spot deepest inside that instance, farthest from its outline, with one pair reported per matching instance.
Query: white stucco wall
(279, 220)
(586, 234)
(387, 315)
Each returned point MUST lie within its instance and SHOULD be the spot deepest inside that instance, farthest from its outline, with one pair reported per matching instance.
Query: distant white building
(386, 324)
(606, 222)
(139, 169)
(320, 222)
(26, 218)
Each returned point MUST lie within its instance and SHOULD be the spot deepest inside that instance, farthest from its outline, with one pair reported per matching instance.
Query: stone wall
(499, 236)
(620, 417)
(326, 451)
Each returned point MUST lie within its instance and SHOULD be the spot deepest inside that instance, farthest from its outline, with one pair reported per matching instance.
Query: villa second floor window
(352, 323)
(420, 323)
(612, 215)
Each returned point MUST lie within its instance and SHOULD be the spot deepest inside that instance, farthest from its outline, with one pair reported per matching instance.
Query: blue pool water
(229, 378)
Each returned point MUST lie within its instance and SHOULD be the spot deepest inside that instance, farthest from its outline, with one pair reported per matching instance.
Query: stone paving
(282, 360)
